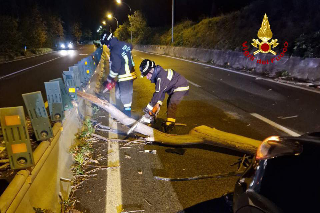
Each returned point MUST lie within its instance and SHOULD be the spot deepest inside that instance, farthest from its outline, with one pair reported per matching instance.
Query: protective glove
(154, 112)
(109, 84)
(146, 110)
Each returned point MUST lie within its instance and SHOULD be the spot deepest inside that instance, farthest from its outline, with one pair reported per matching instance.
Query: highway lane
(218, 99)
(140, 189)
(294, 108)
(31, 73)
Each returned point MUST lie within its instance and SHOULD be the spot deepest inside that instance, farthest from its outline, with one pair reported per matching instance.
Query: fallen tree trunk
(198, 135)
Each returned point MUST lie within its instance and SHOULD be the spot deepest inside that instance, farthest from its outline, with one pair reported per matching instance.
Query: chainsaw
(147, 118)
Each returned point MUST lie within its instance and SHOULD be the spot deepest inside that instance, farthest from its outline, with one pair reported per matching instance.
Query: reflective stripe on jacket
(167, 81)
(121, 61)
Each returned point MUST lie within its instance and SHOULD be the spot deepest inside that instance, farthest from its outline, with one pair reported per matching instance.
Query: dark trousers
(124, 91)
(172, 103)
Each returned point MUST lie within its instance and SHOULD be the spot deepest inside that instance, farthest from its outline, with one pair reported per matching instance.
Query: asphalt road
(31, 73)
(294, 108)
(217, 98)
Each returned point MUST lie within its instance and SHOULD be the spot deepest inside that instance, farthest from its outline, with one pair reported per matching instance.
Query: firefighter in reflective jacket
(166, 81)
(122, 68)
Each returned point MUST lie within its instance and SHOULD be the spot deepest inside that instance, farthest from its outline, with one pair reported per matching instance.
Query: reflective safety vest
(167, 81)
(121, 61)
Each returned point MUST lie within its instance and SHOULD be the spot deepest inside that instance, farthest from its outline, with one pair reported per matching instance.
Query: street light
(119, 2)
(104, 22)
(172, 21)
(110, 16)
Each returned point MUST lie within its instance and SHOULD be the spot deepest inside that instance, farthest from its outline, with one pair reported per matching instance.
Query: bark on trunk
(198, 135)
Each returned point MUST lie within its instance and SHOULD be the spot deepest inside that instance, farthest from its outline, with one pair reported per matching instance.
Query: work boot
(169, 127)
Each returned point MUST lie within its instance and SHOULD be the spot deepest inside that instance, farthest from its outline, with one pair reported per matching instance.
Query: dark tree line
(34, 28)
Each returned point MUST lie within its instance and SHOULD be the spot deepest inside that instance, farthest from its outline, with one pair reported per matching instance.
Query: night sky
(91, 12)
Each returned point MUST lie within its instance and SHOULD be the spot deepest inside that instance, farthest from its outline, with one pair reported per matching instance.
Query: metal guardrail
(17, 188)
(12, 196)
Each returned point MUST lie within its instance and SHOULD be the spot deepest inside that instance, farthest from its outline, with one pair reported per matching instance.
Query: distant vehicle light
(70, 45)
(62, 46)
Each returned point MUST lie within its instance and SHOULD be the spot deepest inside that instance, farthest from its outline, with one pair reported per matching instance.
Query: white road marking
(278, 126)
(113, 185)
(194, 84)
(290, 85)
(240, 73)
(294, 116)
(5, 76)
(83, 54)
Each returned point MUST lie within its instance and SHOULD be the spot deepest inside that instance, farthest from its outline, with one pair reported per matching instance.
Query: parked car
(283, 177)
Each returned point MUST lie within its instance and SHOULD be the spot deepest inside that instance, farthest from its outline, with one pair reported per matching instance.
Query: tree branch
(198, 135)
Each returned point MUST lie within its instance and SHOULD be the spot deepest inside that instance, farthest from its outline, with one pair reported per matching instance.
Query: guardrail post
(66, 99)
(38, 115)
(70, 84)
(54, 100)
(76, 75)
(16, 136)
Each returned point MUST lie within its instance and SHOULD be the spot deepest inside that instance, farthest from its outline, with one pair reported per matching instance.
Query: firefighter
(122, 68)
(166, 81)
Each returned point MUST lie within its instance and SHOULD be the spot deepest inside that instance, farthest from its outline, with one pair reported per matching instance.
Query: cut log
(198, 135)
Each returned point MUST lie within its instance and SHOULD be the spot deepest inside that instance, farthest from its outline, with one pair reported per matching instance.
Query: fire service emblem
(265, 35)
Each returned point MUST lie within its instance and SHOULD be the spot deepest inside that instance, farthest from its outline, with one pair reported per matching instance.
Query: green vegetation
(82, 149)
(138, 25)
(37, 30)
(76, 31)
(95, 109)
(283, 74)
(68, 205)
(297, 22)
(8, 36)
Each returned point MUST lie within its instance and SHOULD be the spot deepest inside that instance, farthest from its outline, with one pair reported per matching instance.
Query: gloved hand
(109, 84)
(146, 110)
(154, 112)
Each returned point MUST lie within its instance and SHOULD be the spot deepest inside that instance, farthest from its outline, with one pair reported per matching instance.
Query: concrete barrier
(307, 69)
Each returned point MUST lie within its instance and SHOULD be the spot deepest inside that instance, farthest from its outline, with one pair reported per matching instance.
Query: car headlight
(62, 46)
(275, 146)
(70, 46)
